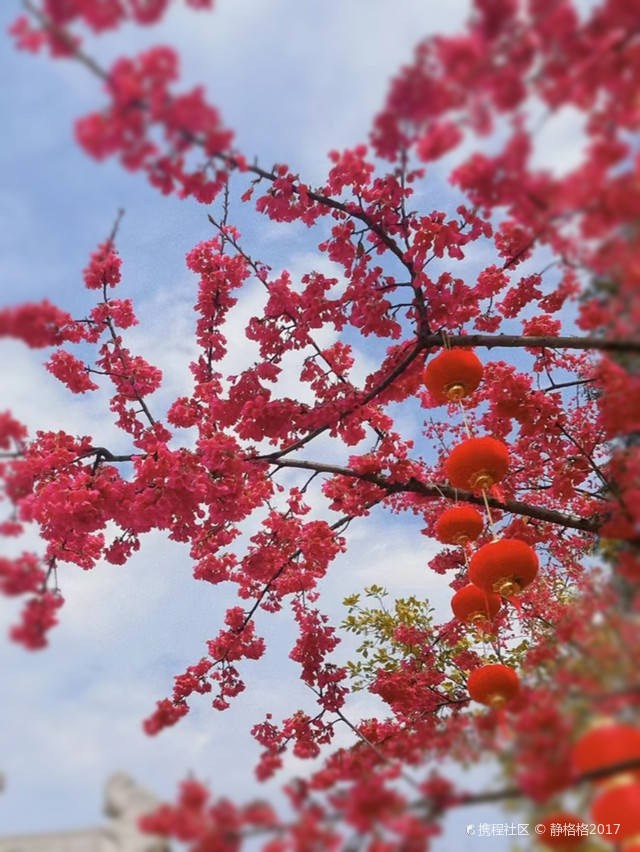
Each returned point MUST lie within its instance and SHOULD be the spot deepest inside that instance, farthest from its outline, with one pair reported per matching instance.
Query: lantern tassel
(487, 609)
(489, 518)
(464, 419)
(497, 493)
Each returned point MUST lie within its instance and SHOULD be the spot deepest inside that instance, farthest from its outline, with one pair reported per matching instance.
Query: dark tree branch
(413, 485)
(555, 387)
(517, 793)
(430, 809)
(415, 351)
(103, 454)
(491, 341)
(323, 200)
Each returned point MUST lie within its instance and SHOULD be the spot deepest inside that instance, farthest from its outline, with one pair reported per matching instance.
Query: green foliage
(377, 623)
(377, 626)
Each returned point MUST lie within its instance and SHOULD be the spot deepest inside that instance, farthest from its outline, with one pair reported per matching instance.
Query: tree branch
(431, 810)
(416, 349)
(490, 341)
(413, 485)
(517, 793)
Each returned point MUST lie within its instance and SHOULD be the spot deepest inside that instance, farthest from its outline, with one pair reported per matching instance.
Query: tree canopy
(471, 366)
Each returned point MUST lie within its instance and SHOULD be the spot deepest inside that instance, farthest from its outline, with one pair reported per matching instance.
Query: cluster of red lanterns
(615, 809)
(501, 568)
(605, 744)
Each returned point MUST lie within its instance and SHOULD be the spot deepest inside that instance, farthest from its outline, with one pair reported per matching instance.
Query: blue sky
(294, 80)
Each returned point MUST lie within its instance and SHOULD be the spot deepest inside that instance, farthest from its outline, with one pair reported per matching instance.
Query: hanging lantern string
(489, 641)
(486, 636)
(481, 633)
(464, 419)
(441, 492)
(489, 517)
(487, 610)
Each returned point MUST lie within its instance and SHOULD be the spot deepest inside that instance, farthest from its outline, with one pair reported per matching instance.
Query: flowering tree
(558, 293)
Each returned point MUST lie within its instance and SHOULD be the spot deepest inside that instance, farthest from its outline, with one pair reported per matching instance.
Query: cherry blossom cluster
(54, 15)
(237, 452)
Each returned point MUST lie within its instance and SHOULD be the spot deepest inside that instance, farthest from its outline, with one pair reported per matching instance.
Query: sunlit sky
(294, 80)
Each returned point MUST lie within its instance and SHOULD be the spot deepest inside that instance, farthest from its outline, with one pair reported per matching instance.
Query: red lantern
(477, 463)
(561, 840)
(494, 685)
(619, 803)
(505, 566)
(473, 604)
(604, 744)
(458, 525)
(453, 374)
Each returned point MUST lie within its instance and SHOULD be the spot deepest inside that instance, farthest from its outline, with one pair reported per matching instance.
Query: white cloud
(299, 79)
(558, 139)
